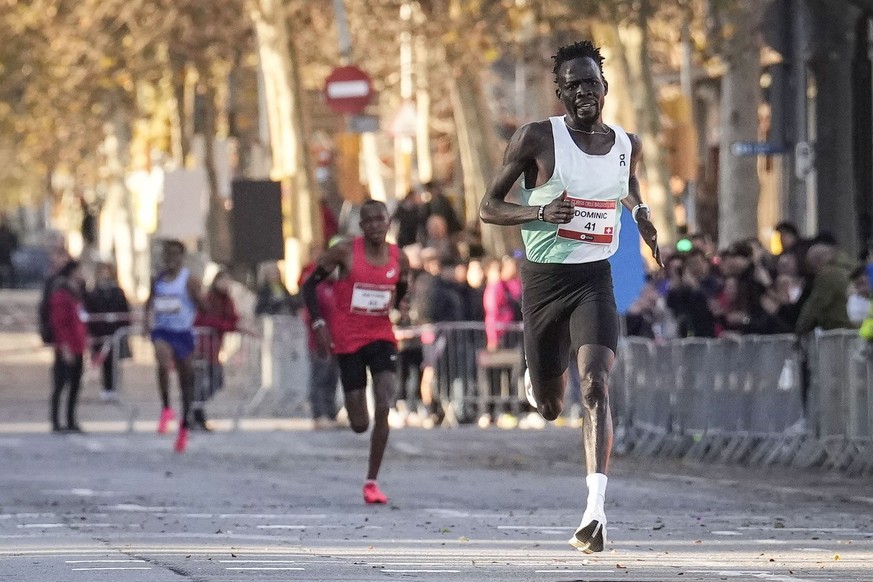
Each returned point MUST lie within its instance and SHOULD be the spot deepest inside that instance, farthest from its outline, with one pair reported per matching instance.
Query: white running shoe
(590, 536)
(528, 389)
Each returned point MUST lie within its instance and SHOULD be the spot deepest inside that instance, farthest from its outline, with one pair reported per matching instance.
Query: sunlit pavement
(466, 504)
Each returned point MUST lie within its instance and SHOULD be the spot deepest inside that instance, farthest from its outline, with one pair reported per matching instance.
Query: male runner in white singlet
(577, 174)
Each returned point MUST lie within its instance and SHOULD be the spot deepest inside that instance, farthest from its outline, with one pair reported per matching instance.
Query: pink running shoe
(372, 494)
(181, 441)
(167, 415)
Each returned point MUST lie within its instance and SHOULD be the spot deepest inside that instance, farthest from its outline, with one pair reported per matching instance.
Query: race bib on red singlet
(369, 299)
(593, 221)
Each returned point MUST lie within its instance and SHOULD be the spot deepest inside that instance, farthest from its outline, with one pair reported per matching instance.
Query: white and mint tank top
(172, 304)
(596, 185)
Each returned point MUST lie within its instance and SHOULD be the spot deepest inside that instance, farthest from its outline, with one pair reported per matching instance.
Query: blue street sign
(755, 148)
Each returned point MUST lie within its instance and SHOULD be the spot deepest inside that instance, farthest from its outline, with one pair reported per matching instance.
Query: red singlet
(363, 301)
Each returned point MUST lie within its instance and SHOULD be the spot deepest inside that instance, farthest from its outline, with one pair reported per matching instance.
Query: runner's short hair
(578, 50)
(374, 203)
(174, 243)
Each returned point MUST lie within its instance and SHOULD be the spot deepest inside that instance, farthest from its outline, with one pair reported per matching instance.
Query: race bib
(593, 221)
(370, 299)
(168, 305)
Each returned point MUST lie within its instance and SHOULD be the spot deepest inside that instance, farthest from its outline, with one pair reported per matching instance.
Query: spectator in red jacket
(67, 316)
(219, 314)
(324, 371)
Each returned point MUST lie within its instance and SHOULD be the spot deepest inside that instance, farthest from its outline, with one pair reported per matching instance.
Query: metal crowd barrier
(468, 379)
(744, 399)
(230, 382)
(747, 400)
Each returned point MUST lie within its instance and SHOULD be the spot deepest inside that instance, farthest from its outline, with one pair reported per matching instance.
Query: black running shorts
(564, 307)
(379, 356)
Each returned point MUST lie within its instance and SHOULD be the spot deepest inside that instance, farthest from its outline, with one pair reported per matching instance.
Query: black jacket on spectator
(691, 310)
(103, 300)
(474, 306)
(410, 227)
(445, 302)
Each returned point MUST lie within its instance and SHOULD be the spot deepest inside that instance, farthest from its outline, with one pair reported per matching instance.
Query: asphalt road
(466, 504)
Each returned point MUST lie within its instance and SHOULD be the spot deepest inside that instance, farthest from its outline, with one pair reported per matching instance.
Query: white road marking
(725, 533)
(110, 568)
(560, 571)
(745, 574)
(26, 515)
(81, 492)
(265, 568)
(277, 515)
(104, 561)
(536, 527)
(422, 571)
(40, 525)
(140, 508)
(257, 561)
(824, 529)
(301, 527)
(407, 449)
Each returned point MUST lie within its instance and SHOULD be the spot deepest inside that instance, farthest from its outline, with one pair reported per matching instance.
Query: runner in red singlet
(372, 279)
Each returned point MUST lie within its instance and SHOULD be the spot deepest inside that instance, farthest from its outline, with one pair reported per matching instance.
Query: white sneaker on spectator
(484, 421)
(108, 396)
(533, 421)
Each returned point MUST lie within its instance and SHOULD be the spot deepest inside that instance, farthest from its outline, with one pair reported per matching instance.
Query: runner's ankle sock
(596, 495)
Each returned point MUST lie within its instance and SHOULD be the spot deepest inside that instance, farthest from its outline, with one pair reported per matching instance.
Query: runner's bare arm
(634, 198)
(195, 291)
(521, 154)
(403, 282)
(336, 256)
(147, 309)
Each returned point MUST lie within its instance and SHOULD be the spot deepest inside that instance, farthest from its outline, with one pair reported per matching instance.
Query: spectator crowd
(702, 292)
(745, 289)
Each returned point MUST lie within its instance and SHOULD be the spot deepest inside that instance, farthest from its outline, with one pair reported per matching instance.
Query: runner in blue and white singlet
(578, 173)
(170, 313)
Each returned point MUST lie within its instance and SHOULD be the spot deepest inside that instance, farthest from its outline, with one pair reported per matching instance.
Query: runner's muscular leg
(384, 386)
(356, 407)
(549, 394)
(185, 369)
(164, 357)
(595, 361)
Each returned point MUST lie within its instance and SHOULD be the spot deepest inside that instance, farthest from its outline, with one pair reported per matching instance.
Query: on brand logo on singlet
(370, 299)
(593, 221)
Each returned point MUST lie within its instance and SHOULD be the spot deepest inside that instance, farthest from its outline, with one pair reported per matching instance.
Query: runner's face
(374, 223)
(581, 89)
(172, 257)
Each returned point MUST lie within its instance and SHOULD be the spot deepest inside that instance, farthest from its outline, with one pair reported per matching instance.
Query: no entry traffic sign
(348, 90)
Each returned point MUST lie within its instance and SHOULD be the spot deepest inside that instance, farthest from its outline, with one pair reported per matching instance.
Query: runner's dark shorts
(379, 356)
(564, 307)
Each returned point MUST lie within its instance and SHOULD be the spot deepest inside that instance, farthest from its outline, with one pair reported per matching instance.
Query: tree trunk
(831, 65)
(635, 38)
(740, 94)
(477, 142)
(423, 159)
(283, 98)
(217, 219)
(304, 194)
